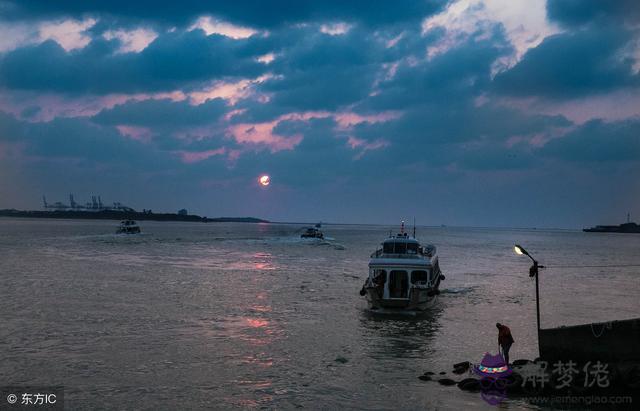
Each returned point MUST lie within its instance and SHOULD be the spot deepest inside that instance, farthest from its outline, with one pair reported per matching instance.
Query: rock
(465, 364)
(461, 367)
(446, 381)
(442, 373)
(469, 384)
(425, 378)
(341, 360)
(513, 383)
(429, 373)
(520, 362)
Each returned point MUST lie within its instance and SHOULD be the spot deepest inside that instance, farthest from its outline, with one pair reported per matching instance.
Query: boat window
(419, 276)
(379, 279)
(412, 248)
(398, 284)
(379, 276)
(400, 248)
(387, 248)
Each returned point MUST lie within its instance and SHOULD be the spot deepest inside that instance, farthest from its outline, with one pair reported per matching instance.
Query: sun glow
(264, 180)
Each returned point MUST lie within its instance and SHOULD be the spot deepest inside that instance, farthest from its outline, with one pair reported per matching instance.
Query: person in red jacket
(505, 339)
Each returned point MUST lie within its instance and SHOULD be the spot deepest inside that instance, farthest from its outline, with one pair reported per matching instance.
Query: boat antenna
(402, 227)
(628, 218)
(414, 227)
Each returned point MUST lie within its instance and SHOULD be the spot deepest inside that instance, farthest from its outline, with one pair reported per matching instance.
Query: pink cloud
(266, 58)
(231, 92)
(132, 40)
(262, 134)
(55, 105)
(196, 156)
(70, 34)
(363, 145)
(394, 41)
(143, 134)
(355, 142)
(346, 120)
(335, 29)
(213, 26)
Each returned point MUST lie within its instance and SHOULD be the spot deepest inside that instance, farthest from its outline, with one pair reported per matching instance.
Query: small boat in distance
(128, 227)
(628, 227)
(313, 232)
(404, 275)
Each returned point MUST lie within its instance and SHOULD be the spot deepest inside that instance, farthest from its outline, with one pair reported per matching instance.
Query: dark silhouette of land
(622, 228)
(125, 215)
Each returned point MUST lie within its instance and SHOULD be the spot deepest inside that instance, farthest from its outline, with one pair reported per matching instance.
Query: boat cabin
(312, 232)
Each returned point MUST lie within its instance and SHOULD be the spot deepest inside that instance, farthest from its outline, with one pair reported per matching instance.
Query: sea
(250, 316)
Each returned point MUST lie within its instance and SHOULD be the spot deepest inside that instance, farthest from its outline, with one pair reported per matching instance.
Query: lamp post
(533, 272)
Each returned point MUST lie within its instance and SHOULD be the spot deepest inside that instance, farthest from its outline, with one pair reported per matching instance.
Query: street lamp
(533, 272)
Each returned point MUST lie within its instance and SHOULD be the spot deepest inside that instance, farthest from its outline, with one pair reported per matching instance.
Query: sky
(505, 113)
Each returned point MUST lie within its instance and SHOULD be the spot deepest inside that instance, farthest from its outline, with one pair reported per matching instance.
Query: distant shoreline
(124, 215)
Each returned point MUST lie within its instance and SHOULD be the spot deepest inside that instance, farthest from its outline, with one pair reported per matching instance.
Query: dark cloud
(321, 88)
(254, 13)
(173, 60)
(78, 139)
(456, 75)
(490, 155)
(570, 65)
(163, 114)
(598, 141)
(324, 72)
(577, 12)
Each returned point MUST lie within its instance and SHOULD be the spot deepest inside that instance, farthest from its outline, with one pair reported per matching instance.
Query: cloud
(578, 12)
(134, 40)
(570, 65)
(213, 26)
(524, 23)
(598, 141)
(163, 114)
(78, 140)
(172, 60)
(252, 13)
(70, 34)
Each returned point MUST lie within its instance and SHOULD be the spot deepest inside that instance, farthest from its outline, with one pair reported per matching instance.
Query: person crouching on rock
(505, 339)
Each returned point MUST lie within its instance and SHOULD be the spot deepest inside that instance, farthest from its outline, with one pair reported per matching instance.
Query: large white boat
(404, 275)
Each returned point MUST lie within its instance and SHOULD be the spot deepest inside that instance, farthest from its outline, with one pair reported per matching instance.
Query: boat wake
(458, 290)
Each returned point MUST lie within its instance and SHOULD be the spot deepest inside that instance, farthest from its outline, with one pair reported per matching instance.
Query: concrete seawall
(610, 341)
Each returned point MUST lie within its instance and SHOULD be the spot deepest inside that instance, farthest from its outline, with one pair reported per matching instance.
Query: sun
(264, 180)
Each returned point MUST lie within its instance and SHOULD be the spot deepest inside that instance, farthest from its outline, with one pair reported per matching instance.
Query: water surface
(222, 315)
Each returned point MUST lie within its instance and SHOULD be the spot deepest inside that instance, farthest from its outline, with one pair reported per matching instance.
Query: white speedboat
(313, 232)
(128, 227)
(404, 275)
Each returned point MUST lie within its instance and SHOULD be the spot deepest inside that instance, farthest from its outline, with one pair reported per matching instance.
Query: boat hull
(419, 300)
(128, 230)
(319, 236)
